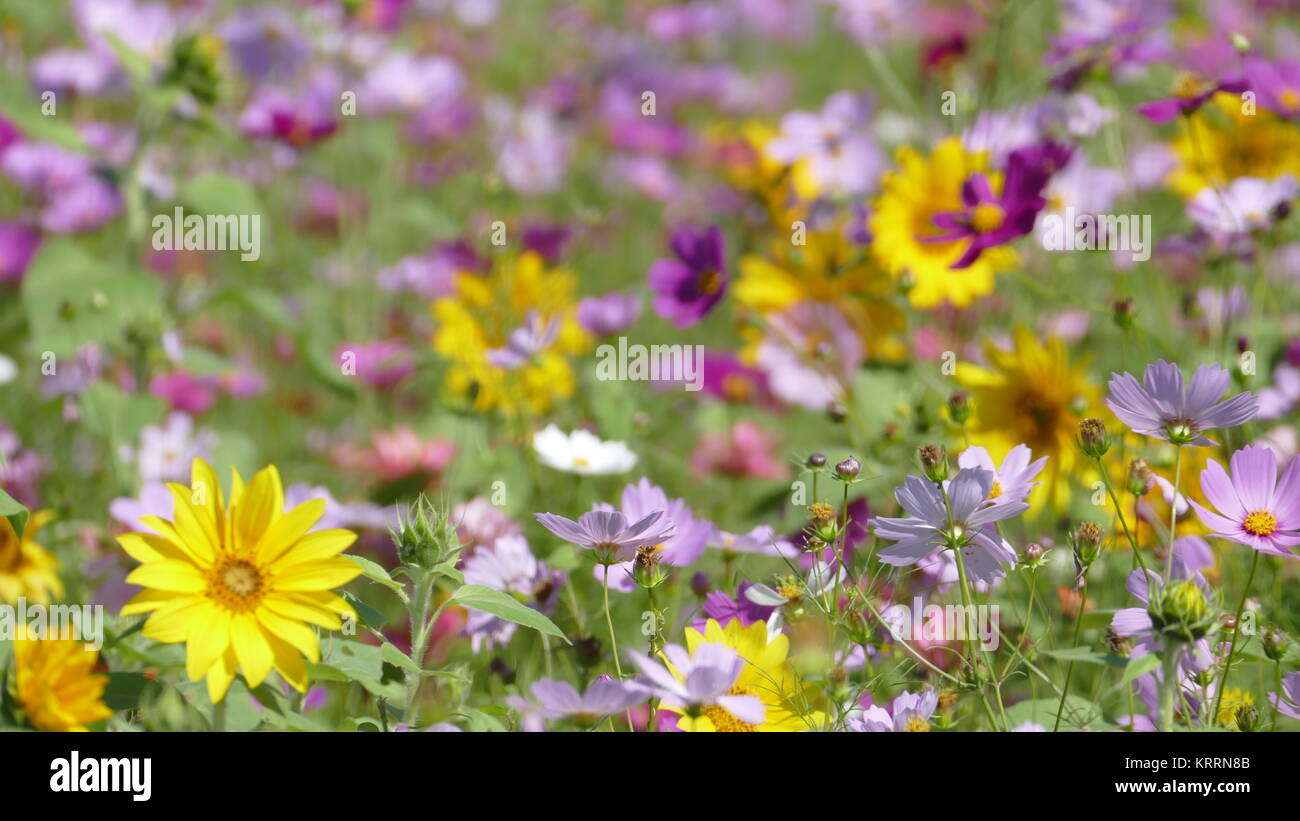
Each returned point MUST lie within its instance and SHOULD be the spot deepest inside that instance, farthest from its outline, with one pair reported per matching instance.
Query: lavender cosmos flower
(689, 286)
(18, 244)
(1014, 480)
(1289, 703)
(1277, 83)
(608, 533)
(830, 148)
(1246, 205)
(605, 696)
(525, 342)
(990, 219)
(909, 713)
(1162, 407)
(970, 526)
(1254, 507)
(509, 566)
(700, 681)
(609, 314)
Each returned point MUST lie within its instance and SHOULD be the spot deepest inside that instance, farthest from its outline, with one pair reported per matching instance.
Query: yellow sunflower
(479, 319)
(828, 268)
(27, 570)
(1031, 394)
(902, 217)
(1220, 143)
(55, 685)
(767, 675)
(239, 584)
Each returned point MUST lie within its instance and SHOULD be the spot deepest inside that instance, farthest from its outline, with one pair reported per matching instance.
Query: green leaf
(373, 571)
(356, 660)
(25, 113)
(116, 416)
(220, 194)
(1140, 666)
(1086, 655)
(15, 512)
(73, 299)
(1078, 712)
(506, 607)
(368, 615)
(397, 658)
(123, 690)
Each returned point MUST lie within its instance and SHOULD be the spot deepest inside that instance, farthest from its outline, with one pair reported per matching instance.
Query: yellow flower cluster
(479, 317)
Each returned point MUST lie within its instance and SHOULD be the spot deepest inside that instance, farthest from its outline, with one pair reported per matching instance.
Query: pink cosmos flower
(744, 451)
(1253, 506)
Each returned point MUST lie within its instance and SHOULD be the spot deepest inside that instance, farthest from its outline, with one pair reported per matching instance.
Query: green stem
(219, 716)
(1168, 686)
(1069, 668)
(1232, 648)
(609, 622)
(1173, 513)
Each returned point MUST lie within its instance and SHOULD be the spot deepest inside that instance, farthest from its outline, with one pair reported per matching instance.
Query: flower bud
(1140, 477)
(700, 583)
(1179, 610)
(1275, 643)
(816, 461)
(424, 536)
(1122, 313)
(848, 470)
(1093, 439)
(1247, 718)
(1087, 540)
(959, 407)
(837, 412)
(934, 462)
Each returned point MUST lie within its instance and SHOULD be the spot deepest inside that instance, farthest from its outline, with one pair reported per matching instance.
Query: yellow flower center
(1260, 523)
(790, 592)
(724, 721)
(996, 491)
(737, 387)
(1188, 85)
(1290, 98)
(916, 724)
(580, 462)
(710, 282)
(236, 585)
(986, 217)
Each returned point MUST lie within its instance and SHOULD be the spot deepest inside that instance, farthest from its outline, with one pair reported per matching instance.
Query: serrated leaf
(397, 658)
(506, 607)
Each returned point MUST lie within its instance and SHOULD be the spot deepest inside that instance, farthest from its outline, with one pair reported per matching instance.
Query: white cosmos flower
(8, 370)
(582, 452)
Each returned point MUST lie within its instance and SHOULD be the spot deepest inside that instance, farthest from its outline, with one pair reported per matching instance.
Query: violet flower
(1162, 407)
(1253, 506)
(689, 286)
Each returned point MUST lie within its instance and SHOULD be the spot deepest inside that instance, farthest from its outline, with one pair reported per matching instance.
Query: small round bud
(1122, 312)
(1093, 439)
(1275, 643)
(700, 583)
(1087, 539)
(821, 512)
(837, 412)
(959, 407)
(1247, 718)
(848, 470)
(1140, 477)
(816, 461)
(934, 462)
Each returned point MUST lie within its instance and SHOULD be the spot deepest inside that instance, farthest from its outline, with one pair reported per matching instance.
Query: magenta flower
(689, 286)
(967, 521)
(1162, 407)
(1254, 507)
(18, 244)
(608, 533)
(1187, 98)
(990, 219)
(1277, 84)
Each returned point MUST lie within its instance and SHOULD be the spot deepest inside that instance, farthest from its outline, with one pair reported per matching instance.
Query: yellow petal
(260, 504)
(251, 649)
(291, 607)
(220, 675)
(169, 574)
(198, 540)
(289, 662)
(325, 574)
(296, 633)
(146, 547)
(287, 529)
(208, 639)
(172, 621)
(319, 545)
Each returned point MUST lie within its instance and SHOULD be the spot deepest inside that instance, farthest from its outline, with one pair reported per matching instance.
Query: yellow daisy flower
(27, 570)
(902, 216)
(239, 584)
(828, 268)
(1219, 143)
(1031, 394)
(55, 685)
(480, 317)
(767, 675)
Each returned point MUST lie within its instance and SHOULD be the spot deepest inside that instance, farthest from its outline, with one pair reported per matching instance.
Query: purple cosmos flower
(608, 533)
(1289, 703)
(1247, 204)
(689, 286)
(995, 219)
(706, 679)
(155, 499)
(1253, 506)
(972, 523)
(296, 119)
(605, 696)
(525, 342)
(18, 244)
(509, 566)
(433, 273)
(1277, 84)
(549, 241)
(810, 353)
(1162, 407)
(1014, 480)
(1189, 95)
(909, 713)
(265, 43)
(722, 608)
(833, 147)
(609, 314)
